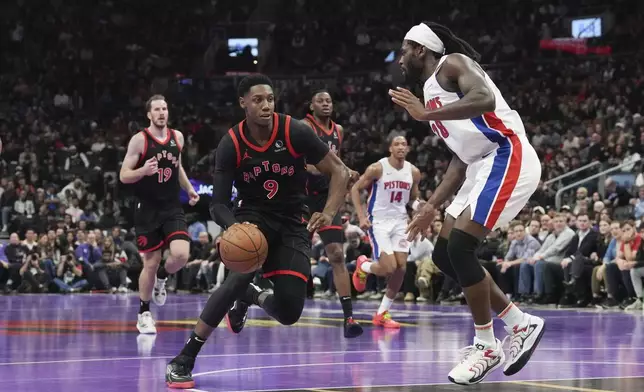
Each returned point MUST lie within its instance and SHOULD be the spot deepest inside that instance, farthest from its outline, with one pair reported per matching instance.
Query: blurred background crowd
(74, 77)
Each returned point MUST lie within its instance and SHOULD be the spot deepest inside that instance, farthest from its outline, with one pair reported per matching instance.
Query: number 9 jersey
(271, 178)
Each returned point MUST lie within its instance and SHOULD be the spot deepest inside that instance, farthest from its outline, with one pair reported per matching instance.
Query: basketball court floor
(89, 343)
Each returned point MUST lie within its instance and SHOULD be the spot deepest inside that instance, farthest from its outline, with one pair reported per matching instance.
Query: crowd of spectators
(73, 79)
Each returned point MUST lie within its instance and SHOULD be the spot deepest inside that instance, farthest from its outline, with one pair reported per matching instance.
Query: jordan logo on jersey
(168, 156)
(267, 167)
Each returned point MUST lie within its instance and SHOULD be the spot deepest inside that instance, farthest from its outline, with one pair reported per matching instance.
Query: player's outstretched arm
(135, 149)
(452, 180)
(222, 183)
(371, 175)
(466, 77)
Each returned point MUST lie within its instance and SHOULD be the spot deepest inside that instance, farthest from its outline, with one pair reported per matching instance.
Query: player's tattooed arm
(452, 180)
(415, 191)
(129, 174)
(371, 175)
(222, 184)
(458, 74)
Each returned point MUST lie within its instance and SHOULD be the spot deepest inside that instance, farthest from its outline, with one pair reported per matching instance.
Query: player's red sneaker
(384, 320)
(359, 277)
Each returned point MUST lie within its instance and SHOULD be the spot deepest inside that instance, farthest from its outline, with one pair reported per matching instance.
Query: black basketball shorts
(155, 226)
(289, 245)
(333, 233)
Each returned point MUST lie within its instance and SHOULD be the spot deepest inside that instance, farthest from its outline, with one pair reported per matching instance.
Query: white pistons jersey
(472, 139)
(390, 194)
(503, 170)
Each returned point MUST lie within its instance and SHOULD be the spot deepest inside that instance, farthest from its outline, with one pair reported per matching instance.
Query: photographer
(34, 278)
(69, 275)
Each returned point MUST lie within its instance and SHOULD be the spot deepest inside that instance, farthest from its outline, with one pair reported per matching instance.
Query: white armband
(415, 204)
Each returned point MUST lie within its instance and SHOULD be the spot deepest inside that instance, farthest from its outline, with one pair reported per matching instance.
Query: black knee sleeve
(440, 257)
(462, 248)
(223, 298)
(287, 302)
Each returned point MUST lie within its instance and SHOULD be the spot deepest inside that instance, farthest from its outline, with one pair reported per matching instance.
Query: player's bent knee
(441, 259)
(290, 308)
(461, 248)
(335, 254)
(289, 298)
(388, 263)
(179, 257)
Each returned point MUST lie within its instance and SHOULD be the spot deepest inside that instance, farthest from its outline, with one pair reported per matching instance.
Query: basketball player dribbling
(394, 184)
(265, 156)
(153, 164)
(318, 190)
(497, 171)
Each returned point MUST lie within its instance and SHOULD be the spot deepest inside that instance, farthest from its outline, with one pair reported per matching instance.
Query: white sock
(485, 333)
(385, 304)
(366, 266)
(512, 315)
(221, 274)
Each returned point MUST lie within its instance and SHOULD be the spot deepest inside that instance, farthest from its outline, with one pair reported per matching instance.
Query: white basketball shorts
(388, 236)
(497, 187)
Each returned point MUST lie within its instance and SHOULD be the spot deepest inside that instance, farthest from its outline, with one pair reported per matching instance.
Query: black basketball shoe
(178, 373)
(237, 315)
(351, 328)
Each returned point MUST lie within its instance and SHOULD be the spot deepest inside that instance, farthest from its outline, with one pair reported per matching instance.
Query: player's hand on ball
(319, 219)
(194, 197)
(423, 218)
(408, 101)
(150, 167)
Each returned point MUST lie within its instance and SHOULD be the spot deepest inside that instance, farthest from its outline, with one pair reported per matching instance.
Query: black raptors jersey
(271, 177)
(162, 188)
(333, 139)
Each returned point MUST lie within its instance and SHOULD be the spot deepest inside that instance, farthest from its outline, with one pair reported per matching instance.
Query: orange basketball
(243, 248)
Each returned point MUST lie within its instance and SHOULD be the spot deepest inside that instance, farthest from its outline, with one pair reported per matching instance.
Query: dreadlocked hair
(453, 44)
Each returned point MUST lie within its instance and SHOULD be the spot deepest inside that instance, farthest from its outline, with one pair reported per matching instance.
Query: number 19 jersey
(390, 194)
(160, 190)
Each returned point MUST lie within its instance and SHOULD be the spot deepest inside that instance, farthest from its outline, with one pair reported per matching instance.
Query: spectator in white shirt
(74, 210)
(23, 206)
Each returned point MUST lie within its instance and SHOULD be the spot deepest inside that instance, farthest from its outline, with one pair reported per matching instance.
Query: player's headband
(422, 34)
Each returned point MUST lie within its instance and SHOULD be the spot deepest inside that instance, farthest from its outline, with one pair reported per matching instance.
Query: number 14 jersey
(390, 194)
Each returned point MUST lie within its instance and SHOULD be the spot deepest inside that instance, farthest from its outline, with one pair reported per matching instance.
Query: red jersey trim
(269, 143)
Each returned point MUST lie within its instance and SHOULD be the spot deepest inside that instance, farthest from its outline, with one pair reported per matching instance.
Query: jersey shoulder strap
(234, 136)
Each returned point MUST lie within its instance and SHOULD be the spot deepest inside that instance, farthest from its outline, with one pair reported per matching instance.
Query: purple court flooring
(53, 343)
